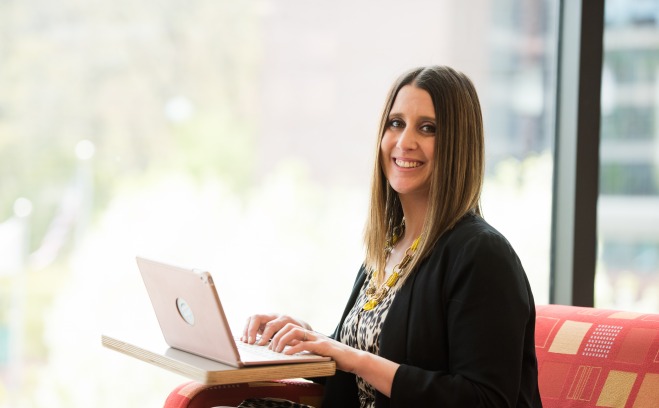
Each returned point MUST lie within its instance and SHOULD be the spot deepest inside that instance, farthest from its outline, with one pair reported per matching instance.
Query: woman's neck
(414, 212)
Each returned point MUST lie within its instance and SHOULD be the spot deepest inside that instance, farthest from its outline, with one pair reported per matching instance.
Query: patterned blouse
(361, 330)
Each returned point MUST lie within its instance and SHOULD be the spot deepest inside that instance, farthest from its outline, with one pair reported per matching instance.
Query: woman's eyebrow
(422, 118)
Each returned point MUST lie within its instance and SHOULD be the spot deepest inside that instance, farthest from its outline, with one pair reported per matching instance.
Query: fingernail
(249, 339)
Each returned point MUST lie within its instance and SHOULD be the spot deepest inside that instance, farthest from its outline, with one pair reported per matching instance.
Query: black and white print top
(361, 330)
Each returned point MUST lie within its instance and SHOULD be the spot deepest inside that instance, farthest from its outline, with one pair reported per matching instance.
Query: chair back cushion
(591, 357)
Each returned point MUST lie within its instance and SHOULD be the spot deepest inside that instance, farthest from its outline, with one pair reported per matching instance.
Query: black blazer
(462, 328)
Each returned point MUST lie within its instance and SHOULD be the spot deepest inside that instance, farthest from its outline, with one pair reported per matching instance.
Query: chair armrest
(196, 395)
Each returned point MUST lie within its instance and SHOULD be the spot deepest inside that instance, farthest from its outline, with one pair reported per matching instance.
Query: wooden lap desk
(208, 371)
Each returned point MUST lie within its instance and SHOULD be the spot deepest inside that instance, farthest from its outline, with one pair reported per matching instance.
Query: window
(628, 261)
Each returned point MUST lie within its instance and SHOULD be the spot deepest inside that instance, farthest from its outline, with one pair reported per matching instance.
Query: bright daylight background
(235, 136)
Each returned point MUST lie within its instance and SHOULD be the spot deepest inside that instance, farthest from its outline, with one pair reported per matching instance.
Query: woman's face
(408, 144)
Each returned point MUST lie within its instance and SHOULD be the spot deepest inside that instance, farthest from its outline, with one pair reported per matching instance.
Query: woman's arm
(376, 370)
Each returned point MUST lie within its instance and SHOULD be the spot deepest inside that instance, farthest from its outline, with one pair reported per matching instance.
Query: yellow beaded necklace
(375, 294)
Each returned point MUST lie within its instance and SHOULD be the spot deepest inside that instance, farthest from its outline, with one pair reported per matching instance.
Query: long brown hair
(457, 176)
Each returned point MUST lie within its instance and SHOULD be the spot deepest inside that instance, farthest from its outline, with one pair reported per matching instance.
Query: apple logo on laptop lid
(185, 311)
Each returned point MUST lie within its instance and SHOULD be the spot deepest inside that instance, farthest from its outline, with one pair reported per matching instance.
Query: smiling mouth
(407, 164)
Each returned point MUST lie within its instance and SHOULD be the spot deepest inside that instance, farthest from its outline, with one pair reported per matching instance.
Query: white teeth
(407, 164)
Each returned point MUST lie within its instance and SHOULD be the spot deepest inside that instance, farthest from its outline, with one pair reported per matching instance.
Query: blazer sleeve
(486, 307)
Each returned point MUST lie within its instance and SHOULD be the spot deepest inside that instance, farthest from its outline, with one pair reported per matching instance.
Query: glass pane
(235, 136)
(628, 213)
(518, 98)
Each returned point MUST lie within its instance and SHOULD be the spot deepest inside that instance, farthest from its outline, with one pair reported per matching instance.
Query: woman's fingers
(255, 325)
(268, 326)
(291, 335)
(345, 357)
(269, 330)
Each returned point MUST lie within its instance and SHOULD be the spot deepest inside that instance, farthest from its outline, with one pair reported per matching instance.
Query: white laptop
(192, 319)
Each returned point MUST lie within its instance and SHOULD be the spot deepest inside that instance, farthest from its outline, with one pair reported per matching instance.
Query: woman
(441, 313)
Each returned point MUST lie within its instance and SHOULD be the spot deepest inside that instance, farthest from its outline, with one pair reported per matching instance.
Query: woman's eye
(431, 129)
(395, 123)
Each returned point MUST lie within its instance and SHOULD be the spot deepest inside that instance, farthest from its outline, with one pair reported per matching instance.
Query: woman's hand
(376, 370)
(282, 331)
(267, 325)
(301, 339)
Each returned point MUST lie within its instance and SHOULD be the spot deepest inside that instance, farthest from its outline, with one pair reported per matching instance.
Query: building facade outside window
(628, 207)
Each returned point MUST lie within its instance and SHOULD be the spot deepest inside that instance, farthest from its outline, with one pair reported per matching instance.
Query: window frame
(576, 153)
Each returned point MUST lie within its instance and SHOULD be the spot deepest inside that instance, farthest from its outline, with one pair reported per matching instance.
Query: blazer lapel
(393, 338)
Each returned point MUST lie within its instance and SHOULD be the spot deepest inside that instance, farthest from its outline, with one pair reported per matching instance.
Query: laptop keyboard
(246, 349)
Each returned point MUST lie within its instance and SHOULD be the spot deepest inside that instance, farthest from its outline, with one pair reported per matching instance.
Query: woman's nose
(406, 139)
